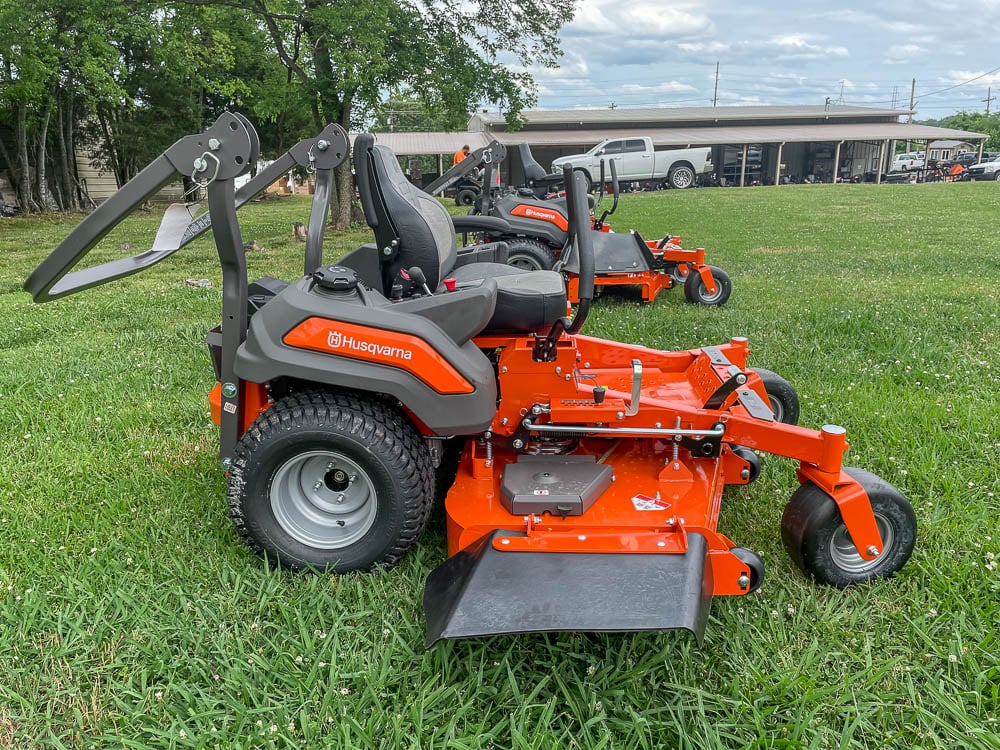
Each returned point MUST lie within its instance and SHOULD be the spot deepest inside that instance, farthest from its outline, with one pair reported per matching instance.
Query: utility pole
(913, 94)
(612, 106)
(894, 90)
(842, 80)
(715, 92)
(988, 99)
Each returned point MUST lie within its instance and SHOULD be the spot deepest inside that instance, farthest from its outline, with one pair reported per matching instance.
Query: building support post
(881, 162)
(777, 166)
(440, 165)
(743, 166)
(836, 162)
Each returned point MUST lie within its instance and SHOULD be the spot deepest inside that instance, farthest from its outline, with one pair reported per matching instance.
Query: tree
(976, 122)
(52, 57)
(343, 55)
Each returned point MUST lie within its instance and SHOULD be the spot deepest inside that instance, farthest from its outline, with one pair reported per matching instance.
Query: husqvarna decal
(402, 350)
(543, 214)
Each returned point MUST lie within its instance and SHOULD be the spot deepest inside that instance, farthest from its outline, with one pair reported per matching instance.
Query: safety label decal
(645, 502)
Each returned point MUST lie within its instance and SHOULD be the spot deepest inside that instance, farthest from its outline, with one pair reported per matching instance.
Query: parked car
(966, 159)
(907, 161)
(637, 160)
(987, 170)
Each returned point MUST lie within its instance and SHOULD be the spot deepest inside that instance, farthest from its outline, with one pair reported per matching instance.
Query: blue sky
(645, 53)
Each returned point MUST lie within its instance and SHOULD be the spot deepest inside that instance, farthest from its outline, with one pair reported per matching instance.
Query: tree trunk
(42, 191)
(66, 156)
(116, 163)
(24, 197)
(341, 213)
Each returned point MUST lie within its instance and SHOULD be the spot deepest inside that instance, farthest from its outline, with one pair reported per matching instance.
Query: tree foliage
(130, 78)
(976, 122)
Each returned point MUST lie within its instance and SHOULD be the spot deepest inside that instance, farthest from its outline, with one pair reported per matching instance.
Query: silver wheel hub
(323, 499)
(846, 556)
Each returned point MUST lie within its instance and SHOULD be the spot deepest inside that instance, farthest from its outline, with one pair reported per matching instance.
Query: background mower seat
(418, 231)
(539, 182)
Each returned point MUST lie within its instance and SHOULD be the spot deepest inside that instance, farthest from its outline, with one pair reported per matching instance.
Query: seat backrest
(532, 169)
(414, 226)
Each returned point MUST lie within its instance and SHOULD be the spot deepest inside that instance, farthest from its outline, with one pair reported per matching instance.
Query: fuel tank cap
(335, 278)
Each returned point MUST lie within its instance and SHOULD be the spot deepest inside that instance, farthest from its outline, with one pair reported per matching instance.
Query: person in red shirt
(460, 155)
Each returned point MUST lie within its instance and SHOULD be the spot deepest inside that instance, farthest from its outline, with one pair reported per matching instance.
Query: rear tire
(696, 292)
(681, 177)
(330, 481)
(465, 197)
(816, 538)
(531, 255)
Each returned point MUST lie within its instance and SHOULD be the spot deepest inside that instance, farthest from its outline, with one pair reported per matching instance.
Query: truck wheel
(531, 255)
(465, 197)
(681, 177)
(330, 481)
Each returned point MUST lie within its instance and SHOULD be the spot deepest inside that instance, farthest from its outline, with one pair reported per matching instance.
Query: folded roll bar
(214, 159)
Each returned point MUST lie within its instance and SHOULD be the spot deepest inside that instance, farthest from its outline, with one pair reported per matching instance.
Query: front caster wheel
(783, 399)
(753, 470)
(330, 481)
(756, 565)
(816, 538)
(696, 292)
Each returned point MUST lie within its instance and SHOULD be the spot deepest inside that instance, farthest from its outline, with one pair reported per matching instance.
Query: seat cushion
(526, 300)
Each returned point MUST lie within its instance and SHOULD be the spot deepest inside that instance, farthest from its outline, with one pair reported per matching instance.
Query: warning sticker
(645, 502)
(540, 492)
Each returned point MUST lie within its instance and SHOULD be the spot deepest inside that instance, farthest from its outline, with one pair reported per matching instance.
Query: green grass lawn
(131, 615)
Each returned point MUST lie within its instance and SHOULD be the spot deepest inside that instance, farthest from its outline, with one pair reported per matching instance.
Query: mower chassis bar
(622, 431)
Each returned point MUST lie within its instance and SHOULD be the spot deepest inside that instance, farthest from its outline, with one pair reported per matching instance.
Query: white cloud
(902, 53)
(667, 87)
(704, 48)
(800, 46)
(638, 18)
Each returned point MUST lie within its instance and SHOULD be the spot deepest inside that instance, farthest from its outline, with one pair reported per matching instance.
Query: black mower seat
(526, 301)
(420, 230)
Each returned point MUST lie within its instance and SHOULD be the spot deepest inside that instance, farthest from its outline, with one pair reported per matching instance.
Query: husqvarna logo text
(337, 340)
(538, 214)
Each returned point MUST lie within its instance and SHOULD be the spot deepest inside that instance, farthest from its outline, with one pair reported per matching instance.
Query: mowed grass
(131, 615)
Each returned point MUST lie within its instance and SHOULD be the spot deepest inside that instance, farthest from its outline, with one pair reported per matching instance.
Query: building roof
(947, 144)
(430, 142)
(711, 136)
(608, 117)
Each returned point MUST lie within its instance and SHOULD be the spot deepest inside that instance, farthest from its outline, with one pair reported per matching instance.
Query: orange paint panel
(391, 348)
(544, 214)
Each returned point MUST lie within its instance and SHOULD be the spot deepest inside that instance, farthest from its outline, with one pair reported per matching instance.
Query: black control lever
(417, 276)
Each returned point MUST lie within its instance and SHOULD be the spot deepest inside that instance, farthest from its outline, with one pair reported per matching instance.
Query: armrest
(494, 252)
(476, 223)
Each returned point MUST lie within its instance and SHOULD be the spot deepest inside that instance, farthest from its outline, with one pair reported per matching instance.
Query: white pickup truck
(637, 160)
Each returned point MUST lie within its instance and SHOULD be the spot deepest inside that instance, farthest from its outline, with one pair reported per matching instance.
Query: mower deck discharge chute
(583, 479)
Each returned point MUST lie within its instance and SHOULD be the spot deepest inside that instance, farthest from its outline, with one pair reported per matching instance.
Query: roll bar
(492, 153)
(225, 151)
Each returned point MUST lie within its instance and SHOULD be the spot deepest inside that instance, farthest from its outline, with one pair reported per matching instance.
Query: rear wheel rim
(323, 499)
(845, 555)
(682, 178)
(524, 262)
